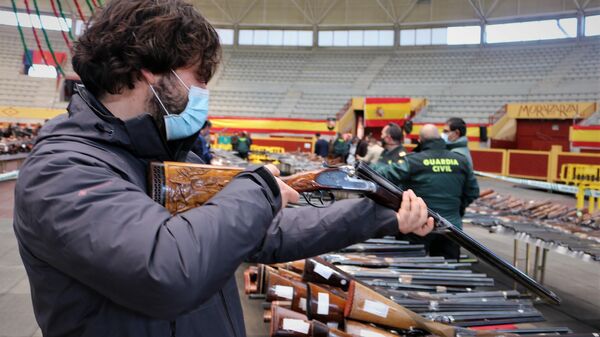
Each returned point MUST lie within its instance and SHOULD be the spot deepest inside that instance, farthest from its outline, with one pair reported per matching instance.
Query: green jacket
(341, 148)
(443, 179)
(461, 146)
(391, 156)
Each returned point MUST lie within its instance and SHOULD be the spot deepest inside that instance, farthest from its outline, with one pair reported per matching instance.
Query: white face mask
(192, 118)
(445, 137)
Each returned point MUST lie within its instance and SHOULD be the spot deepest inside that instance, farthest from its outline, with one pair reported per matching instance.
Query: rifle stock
(280, 288)
(365, 304)
(287, 323)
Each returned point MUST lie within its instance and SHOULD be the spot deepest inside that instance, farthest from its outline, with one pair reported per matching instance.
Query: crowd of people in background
(16, 139)
(439, 169)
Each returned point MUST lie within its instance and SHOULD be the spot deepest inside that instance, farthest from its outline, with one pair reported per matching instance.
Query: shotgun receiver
(181, 186)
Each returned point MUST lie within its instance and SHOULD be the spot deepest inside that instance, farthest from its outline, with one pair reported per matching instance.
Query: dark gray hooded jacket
(103, 259)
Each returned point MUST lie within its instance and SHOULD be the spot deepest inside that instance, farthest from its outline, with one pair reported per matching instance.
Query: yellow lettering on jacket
(440, 161)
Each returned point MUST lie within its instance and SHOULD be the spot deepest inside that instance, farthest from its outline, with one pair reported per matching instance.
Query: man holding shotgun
(104, 259)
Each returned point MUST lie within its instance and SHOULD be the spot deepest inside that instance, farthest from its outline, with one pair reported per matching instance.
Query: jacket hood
(89, 121)
(433, 144)
(460, 142)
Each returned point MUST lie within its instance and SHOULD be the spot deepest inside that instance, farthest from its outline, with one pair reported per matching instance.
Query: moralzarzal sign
(565, 110)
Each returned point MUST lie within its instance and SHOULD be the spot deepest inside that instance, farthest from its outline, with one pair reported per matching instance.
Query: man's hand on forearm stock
(412, 215)
(288, 194)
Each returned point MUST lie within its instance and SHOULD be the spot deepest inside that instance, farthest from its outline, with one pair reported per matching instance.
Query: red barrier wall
(488, 160)
(528, 164)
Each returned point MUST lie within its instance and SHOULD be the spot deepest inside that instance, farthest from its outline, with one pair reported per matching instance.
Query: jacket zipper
(173, 327)
(227, 313)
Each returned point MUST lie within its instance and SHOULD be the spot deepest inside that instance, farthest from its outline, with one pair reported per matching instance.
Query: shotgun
(182, 186)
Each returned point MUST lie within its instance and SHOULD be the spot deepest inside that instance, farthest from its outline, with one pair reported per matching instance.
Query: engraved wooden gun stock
(182, 186)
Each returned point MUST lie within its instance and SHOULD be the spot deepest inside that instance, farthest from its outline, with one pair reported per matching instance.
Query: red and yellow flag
(381, 111)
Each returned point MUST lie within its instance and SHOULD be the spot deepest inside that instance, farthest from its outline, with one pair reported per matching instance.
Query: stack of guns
(545, 220)
(385, 287)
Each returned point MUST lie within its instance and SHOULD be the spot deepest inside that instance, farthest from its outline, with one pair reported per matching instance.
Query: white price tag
(333, 325)
(297, 325)
(302, 304)
(323, 271)
(376, 308)
(284, 292)
(323, 304)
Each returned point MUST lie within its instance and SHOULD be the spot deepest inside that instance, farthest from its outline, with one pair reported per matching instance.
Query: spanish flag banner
(382, 111)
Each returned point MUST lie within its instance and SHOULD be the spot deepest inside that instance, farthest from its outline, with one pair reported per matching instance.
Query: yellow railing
(269, 149)
(586, 177)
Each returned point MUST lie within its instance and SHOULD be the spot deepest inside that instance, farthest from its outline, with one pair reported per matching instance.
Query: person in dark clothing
(392, 138)
(444, 179)
(243, 145)
(234, 141)
(321, 146)
(201, 146)
(363, 146)
(341, 148)
(104, 259)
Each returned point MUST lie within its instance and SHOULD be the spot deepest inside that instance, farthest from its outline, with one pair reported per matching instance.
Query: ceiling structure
(352, 13)
(365, 13)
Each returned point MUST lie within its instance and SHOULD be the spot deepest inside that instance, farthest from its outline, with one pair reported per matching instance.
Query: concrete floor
(577, 282)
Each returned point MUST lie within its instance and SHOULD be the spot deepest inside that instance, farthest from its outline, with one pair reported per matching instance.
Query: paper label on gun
(323, 271)
(284, 292)
(406, 279)
(323, 304)
(297, 325)
(367, 333)
(302, 304)
(376, 308)
(440, 289)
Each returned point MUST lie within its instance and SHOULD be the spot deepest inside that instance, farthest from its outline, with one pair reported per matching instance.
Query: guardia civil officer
(103, 259)
(392, 137)
(442, 177)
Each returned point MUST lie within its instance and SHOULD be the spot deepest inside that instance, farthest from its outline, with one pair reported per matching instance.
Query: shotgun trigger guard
(319, 199)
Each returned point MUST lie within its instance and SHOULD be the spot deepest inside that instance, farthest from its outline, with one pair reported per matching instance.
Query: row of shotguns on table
(385, 287)
(545, 220)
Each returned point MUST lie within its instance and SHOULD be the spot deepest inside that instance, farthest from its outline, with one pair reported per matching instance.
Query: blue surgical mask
(445, 137)
(192, 118)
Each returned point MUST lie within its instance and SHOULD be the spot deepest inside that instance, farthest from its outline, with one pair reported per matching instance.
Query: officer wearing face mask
(455, 136)
(392, 137)
(104, 259)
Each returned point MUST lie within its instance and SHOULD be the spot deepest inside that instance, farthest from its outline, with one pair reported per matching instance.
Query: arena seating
(468, 81)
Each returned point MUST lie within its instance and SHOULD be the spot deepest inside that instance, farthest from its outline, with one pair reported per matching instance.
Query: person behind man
(104, 259)
(351, 158)
(243, 145)
(321, 146)
(392, 138)
(373, 151)
(442, 177)
(201, 146)
(363, 146)
(234, 140)
(341, 148)
(455, 136)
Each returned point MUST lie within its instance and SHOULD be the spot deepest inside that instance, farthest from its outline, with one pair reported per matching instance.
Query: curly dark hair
(156, 35)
